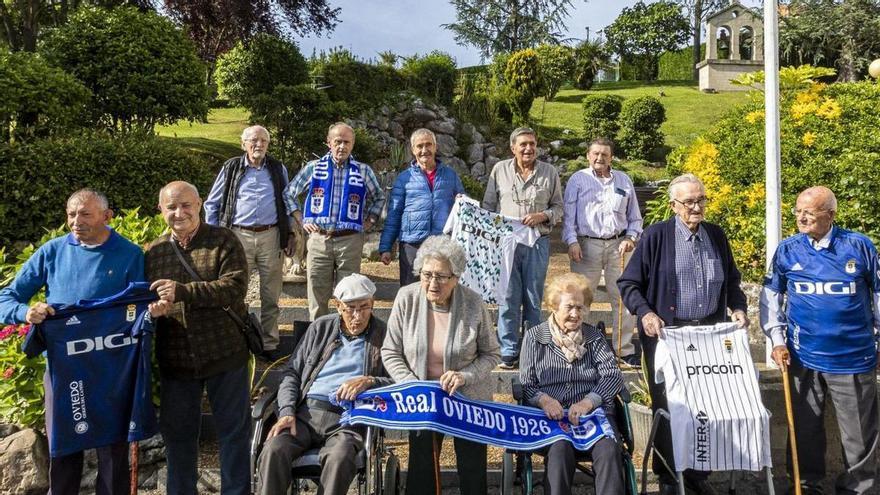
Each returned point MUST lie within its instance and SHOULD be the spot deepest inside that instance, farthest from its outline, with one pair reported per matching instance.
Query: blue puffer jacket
(414, 210)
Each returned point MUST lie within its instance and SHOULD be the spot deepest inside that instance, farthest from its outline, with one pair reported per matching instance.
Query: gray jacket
(471, 348)
(315, 348)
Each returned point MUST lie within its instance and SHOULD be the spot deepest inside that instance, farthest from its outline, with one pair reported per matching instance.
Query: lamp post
(772, 154)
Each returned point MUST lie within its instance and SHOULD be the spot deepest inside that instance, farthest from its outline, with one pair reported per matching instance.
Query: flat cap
(354, 287)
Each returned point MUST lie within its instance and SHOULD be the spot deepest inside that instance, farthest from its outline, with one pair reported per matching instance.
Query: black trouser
(407, 256)
(470, 462)
(65, 472)
(663, 438)
(560, 461)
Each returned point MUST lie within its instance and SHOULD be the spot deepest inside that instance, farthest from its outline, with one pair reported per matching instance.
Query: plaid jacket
(203, 341)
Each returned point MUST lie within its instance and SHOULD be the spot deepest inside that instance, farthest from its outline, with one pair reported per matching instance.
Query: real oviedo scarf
(425, 406)
(320, 196)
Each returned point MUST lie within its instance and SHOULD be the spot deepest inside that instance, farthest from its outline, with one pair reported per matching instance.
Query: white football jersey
(489, 241)
(718, 420)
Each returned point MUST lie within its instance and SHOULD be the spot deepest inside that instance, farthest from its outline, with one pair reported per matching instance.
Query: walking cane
(790, 413)
(135, 454)
(619, 310)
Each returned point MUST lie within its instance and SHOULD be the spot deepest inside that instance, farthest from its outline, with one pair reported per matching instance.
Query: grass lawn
(689, 112)
(218, 137)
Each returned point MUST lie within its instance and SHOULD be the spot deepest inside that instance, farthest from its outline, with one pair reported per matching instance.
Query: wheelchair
(378, 466)
(517, 465)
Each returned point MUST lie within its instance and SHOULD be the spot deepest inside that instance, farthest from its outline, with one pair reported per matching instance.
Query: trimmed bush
(431, 76)
(600, 115)
(523, 80)
(557, 66)
(141, 68)
(129, 168)
(640, 120)
(357, 85)
(678, 65)
(37, 99)
(253, 69)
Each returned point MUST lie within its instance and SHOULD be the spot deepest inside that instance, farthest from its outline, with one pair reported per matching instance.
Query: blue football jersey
(99, 355)
(830, 300)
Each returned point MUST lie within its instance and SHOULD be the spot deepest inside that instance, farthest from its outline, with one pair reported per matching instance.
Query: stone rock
(24, 463)
(475, 153)
(381, 123)
(491, 161)
(489, 149)
(396, 130)
(371, 245)
(555, 145)
(446, 145)
(7, 429)
(479, 169)
(385, 110)
(446, 126)
(583, 144)
(471, 133)
(421, 115)
(458, 165)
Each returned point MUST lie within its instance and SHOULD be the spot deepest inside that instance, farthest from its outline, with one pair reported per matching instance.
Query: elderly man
(681, 273)
(420, 203)
(829, 321)
(343, 200)
(601, 224)
(247, 197)
(92, 262)
(339, 354)
(529, 190)
(198, 345)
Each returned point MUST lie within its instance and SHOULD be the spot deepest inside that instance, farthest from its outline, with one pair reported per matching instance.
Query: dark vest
(234, 169)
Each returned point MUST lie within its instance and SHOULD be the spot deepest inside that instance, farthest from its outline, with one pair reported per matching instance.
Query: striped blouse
(544, 369)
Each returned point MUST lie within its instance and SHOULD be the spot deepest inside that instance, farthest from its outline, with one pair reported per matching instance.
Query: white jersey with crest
(718, 420)
(489, 241)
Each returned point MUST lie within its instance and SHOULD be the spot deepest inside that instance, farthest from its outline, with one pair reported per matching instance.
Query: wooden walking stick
(792, 440)
(619, 309)
(135, 454)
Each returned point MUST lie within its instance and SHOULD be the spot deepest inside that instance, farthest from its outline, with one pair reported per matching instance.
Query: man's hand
(291, 245)
(165, 288)
(652, 324)
(552, 408)
(450, 381)
(311, 228)
(574, 252)
(37, 313)
(386, 258)
(781, 356)
(351, 388)
(739, 316)
(534, 219)
(577, 410)
(284, 423)
(159, 308)
(625, 246)
(368, 224)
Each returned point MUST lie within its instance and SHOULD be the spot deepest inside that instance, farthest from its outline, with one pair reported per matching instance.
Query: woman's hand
(450, 381)
(585, 406)
(552, 408)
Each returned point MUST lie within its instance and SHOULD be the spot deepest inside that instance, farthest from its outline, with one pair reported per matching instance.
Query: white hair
(684, 179)
(441, 248)
(253, 130)
(422, 132)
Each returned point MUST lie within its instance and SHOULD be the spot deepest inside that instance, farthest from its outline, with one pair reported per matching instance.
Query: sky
(409, 27)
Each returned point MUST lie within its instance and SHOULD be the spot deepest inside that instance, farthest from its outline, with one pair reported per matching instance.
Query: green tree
(557, 64)
(523, 76)
(140, 67)
(832, 33)
(697, 10)
(494, 26)
(432, 76)
(646, 31)
(254, 68)
(590, 57)
(37, 99)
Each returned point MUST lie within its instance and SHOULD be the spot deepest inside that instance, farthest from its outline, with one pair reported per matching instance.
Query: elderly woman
(440, 330)
(566, 364)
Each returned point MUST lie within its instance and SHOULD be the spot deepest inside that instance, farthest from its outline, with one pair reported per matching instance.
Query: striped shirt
(545, 370)
(597, 207)
(699, 273)
(374, 202)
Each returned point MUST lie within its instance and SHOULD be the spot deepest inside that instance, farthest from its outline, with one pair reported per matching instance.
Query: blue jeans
(521, 308)
(180, 418)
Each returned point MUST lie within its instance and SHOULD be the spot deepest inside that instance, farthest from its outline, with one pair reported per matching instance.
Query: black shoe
(633, 361)
(509, 363)
(667, 489)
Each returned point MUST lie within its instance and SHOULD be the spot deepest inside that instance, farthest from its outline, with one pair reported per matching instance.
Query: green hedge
(37, 177)
(678, 66)
(600, 113)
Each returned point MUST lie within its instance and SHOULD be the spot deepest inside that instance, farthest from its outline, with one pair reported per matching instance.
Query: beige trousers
(263, 252)
(599, 255)
(329, 260)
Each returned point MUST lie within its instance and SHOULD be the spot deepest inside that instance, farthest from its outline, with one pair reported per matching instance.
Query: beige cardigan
(471, 347)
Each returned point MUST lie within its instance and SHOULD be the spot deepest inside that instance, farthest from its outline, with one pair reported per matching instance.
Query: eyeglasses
(356, 309)
(692, 203)
(439, 277)
(812, 214)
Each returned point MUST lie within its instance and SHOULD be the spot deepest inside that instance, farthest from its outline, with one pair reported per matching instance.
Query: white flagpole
(772, 159)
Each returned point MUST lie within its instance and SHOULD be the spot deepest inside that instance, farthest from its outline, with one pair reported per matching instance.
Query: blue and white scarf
(320, 196)
(425, 406)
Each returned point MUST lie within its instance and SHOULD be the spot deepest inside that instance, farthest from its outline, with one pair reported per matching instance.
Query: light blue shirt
(596, 207)
(255, 205)
(346, 362)
(698, 271)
